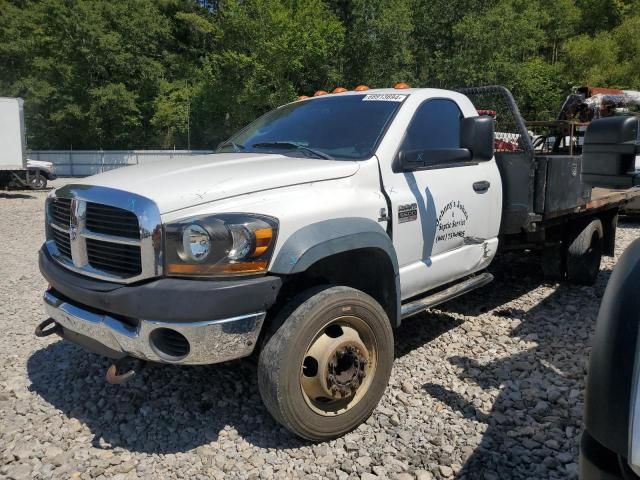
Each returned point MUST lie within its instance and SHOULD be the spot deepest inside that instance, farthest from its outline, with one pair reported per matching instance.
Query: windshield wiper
(292, 145)
(236, 147)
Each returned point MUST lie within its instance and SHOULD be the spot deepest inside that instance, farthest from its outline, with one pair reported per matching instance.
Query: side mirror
(477, 135)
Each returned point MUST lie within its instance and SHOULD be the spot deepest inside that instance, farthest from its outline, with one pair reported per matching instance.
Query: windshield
(337, 127)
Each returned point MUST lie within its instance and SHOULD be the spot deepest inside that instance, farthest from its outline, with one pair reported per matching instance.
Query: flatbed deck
(601, 198)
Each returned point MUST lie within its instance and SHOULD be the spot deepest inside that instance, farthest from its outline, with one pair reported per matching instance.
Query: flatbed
(601, 198)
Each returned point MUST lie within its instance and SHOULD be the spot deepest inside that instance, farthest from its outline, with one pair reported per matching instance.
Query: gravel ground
(490, 386)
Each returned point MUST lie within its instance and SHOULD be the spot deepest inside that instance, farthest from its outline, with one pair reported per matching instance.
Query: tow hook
(43, 331)
(114, 376)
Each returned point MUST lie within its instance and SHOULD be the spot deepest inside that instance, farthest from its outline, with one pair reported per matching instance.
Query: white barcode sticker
(383, 97)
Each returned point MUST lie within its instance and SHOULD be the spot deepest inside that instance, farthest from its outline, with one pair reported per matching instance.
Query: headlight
(220, 245)
(196, 243)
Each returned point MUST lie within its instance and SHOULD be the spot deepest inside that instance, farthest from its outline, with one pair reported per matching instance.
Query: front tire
(38, 182)
(326, 367)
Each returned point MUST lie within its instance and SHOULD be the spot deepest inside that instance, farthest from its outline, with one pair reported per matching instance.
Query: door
(446, 214)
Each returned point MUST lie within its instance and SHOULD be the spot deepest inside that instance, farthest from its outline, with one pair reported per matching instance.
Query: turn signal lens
(361, 88)
(218, 269)
(264, 236)
(401, 86)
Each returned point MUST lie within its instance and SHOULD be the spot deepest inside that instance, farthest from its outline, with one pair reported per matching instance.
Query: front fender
(329, 237)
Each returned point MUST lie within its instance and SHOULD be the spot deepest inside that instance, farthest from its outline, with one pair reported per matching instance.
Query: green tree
(603, 15)
(378, 43)
(269, 52)
(89, 70)
(608, 58)
(434, 44)
(172, 113)
(146, 73)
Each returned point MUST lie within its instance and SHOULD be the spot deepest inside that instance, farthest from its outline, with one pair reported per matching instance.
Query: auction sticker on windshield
(383, 97)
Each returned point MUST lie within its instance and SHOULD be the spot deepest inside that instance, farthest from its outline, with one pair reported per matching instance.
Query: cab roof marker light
(401, 86)
(361, 88)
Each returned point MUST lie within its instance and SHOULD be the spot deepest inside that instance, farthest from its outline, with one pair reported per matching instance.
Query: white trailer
(16, 171)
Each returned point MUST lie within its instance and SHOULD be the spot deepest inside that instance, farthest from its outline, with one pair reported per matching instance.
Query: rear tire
(585, 254)
(325, 368)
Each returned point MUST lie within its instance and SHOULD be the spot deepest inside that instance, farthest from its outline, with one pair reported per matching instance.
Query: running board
(445, 295)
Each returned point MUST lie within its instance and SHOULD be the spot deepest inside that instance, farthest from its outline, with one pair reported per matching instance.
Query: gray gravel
(489, 386)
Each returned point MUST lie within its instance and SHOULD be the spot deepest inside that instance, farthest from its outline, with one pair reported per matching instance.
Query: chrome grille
(62, 242)
(105, 233)
(114, 257)
(60, 210)
(112, 221)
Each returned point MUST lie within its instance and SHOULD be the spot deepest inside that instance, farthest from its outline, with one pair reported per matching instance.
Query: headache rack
(514, 155)
(545, 175)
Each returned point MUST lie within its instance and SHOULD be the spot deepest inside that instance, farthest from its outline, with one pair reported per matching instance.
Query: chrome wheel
(338, 366)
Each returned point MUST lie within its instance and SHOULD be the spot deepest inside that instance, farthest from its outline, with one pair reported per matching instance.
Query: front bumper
(206, 341)
(211, 320)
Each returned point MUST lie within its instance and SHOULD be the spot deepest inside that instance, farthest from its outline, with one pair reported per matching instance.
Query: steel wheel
(327, 363)
(338, 366)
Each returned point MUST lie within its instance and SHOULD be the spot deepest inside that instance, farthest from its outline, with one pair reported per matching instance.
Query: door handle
(481, 187)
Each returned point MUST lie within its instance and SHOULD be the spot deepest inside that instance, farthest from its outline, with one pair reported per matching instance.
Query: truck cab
(305, 240)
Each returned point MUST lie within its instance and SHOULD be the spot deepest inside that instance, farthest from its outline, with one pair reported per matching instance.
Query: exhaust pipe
(114, 376)
(43, 331)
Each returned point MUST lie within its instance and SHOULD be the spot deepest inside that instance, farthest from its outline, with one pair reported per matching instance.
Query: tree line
(119, 74)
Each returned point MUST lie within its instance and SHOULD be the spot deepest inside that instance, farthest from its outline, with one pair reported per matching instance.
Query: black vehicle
(610, 445)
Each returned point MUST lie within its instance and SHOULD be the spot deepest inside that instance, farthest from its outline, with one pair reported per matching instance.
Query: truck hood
(175, 184)
(39, 164)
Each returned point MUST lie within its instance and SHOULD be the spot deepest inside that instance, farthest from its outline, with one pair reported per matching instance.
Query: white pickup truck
(313, 232)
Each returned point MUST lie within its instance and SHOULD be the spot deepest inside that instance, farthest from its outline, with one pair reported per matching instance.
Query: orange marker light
(361, 88)
(339, 90)
(263, 240)
(319, 93)
(253, 266)
(303, 97)
(401, 86)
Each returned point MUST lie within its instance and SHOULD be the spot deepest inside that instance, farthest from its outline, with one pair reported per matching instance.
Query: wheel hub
(346, 369)
(337, 367)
